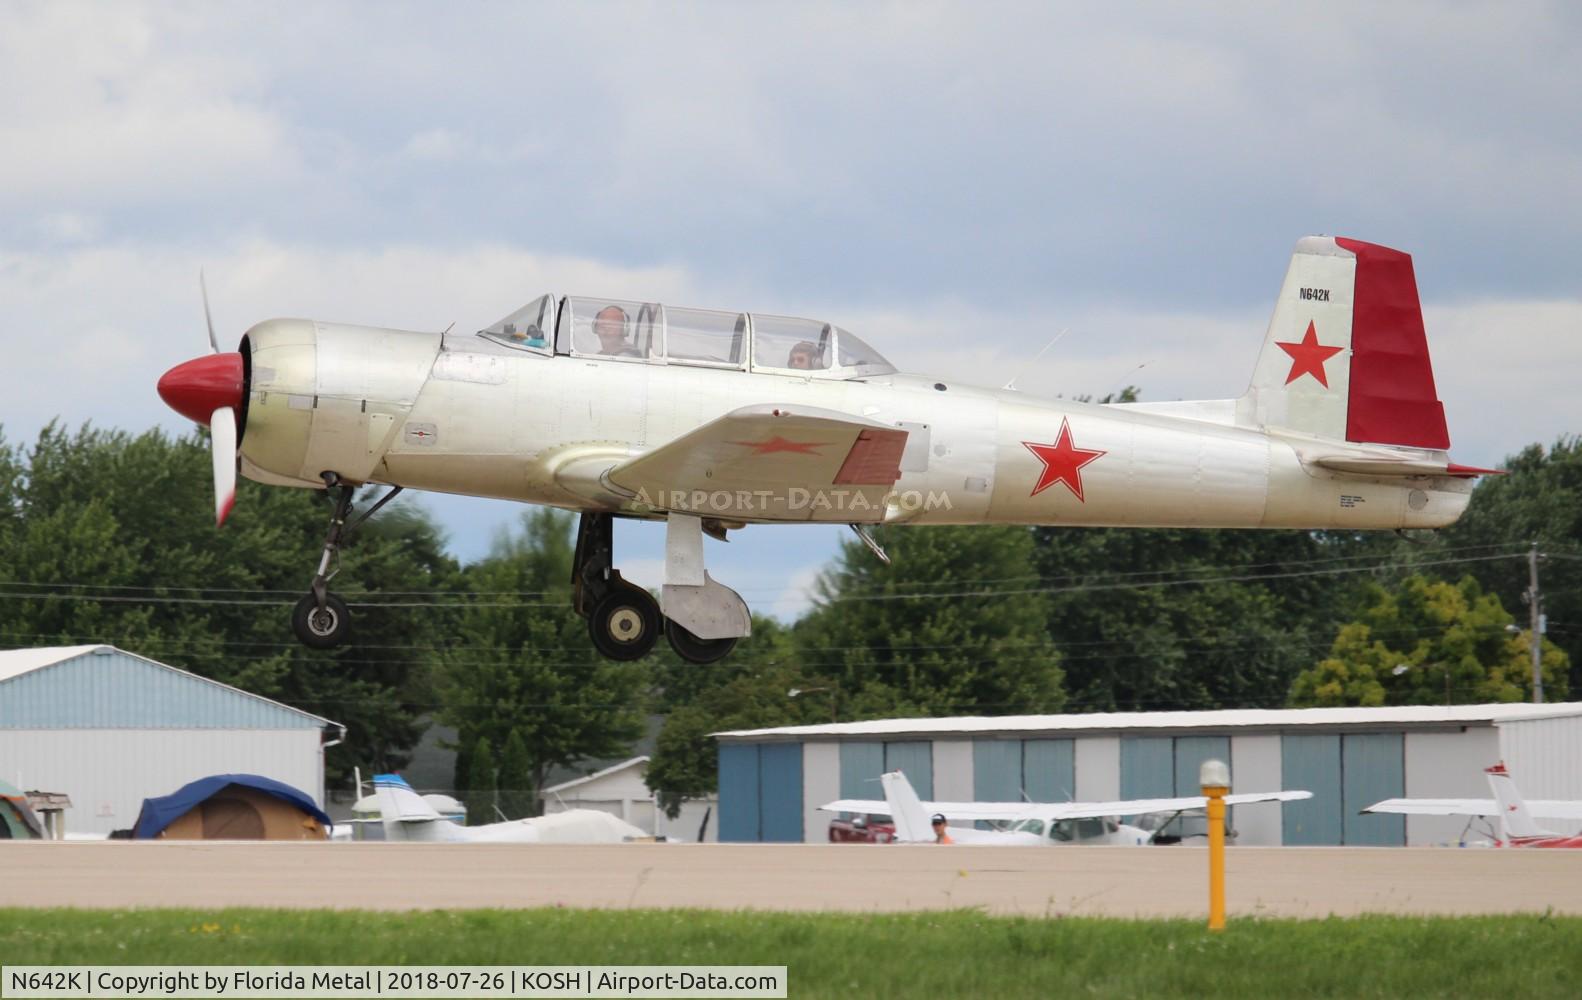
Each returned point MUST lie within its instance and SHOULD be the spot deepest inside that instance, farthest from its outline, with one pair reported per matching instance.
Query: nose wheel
(321, 627)
(321, 620)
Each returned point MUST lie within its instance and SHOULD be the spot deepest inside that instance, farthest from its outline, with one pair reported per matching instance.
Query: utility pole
(1535, 630)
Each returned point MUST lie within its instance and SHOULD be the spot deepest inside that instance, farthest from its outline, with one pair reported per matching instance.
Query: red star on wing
(1308, 357)
(1063, 462)
(778, 443)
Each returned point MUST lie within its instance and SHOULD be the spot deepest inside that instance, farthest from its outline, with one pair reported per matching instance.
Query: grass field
(956, 954)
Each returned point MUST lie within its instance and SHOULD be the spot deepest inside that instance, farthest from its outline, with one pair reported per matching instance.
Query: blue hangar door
(1346, 773)
(761, 792)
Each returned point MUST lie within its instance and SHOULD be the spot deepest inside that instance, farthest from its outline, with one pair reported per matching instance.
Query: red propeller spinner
(196, 388)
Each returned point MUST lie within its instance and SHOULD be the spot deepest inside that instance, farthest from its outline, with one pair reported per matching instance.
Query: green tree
(685, 762)
(526, 662)
(1539, 500)
(518, 796)
(1171, 619)
(109, 537)
(1428, 642)
(937, 632)
(481, 796)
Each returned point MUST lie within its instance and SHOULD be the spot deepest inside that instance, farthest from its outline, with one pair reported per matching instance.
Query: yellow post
(1214, 777)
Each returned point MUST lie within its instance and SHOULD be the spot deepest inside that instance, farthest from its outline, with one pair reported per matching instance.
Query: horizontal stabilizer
(1398, 465)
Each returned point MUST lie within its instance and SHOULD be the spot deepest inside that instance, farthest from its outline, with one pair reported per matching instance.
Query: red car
(869, 829)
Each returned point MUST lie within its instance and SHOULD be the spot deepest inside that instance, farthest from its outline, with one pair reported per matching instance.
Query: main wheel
(321, 628)
(625, 623)
(694, 650)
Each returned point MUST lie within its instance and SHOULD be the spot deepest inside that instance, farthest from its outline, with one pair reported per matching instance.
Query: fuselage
(461, 414)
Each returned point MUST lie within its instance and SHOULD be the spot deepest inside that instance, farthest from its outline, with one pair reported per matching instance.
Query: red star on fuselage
(1308, 357)
(1063, 462)
(778, 443)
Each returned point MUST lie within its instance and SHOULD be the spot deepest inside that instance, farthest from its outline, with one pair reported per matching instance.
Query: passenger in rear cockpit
(609, 324)
(803, 356)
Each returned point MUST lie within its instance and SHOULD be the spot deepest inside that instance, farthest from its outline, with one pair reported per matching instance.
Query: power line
(1086, 586)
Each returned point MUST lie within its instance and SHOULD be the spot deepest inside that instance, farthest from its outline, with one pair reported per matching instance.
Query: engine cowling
(326, 397)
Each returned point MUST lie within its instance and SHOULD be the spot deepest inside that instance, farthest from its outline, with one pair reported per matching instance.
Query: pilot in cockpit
(803, 356)
(609, 324)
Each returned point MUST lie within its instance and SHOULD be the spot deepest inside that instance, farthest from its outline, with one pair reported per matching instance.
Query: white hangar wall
(1348, 758)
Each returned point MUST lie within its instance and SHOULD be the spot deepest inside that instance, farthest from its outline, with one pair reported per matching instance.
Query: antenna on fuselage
(1052, 342)
(1120, 383)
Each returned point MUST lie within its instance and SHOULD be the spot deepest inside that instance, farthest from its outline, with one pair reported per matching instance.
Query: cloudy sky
(956, 182)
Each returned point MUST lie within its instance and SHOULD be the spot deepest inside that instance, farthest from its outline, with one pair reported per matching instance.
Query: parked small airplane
(1032, 824)
(711, 421)
(407, 817)
(1517, 828)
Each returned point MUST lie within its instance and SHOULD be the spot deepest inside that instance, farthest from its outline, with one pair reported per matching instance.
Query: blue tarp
(159, 813)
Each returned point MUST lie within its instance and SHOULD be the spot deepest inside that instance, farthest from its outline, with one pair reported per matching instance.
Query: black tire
(694, 650)
(323, 628)
(625, 623)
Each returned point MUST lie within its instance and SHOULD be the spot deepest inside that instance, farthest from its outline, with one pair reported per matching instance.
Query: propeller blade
(203, 287)
(222, 437)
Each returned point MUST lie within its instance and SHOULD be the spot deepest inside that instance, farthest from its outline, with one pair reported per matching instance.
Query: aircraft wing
(1012, 811)
(876, 807)
(953, 810)
(1547, 808)
(773, 461)
(1136, 807)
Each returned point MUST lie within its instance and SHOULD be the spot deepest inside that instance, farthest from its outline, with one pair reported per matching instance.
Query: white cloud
(106, 103)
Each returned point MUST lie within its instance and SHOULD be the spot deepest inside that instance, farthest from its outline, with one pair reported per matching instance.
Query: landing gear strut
(624, 620)
(321, 620)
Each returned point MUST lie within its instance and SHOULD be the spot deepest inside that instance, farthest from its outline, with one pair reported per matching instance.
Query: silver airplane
(713, 421)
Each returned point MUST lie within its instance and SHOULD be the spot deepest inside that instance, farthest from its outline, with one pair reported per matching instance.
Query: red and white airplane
(712, 421)
(1517, 826)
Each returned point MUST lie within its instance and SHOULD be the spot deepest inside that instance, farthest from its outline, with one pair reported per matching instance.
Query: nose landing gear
(321, 620)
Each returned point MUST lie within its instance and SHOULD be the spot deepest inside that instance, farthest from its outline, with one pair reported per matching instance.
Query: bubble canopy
(652, 333)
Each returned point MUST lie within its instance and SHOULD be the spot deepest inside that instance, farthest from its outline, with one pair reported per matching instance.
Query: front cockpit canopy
(651, 333)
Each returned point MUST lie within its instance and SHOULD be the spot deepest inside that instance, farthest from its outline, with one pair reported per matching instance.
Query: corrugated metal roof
(102, 687)
(1238, 718)
(16, 662)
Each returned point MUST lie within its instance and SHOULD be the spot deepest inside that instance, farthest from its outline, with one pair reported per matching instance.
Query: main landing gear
(321, 620)
(700, 618)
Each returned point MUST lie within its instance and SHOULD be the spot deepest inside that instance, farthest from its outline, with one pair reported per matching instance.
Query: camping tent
(17, 821)
(232, 807)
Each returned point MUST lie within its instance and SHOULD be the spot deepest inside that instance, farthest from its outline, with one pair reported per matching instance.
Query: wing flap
(771, 462)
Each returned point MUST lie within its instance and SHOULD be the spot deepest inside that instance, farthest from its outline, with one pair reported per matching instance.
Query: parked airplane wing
(1547, 808)
(1137, 807)
(1013, 811)
(954, 811)
(772, 462)
(1436, 807)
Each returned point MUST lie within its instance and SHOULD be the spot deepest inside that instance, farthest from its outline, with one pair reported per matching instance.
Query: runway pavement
(1097, 881)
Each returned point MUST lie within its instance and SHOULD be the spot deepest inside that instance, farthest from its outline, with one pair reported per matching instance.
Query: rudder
(1346, 355)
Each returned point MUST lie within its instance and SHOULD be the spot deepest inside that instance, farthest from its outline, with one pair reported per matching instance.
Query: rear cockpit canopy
(650, 333)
